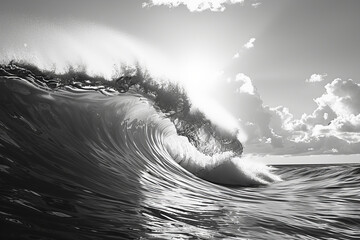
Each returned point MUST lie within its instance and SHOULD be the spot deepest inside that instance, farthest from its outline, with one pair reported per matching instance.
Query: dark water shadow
(62, 176)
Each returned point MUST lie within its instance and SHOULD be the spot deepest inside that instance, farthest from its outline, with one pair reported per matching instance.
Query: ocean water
(87, 162)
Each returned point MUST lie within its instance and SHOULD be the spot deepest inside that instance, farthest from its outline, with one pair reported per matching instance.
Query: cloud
(332, 128)
(246, 84)
(193, 5)
(342, 96)
(346, 128)
(316, 78)
(250, 43)
(322, 115)
(256, 5)
(254, 117)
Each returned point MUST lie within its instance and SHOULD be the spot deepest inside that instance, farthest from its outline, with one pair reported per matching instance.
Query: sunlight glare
(199, 76)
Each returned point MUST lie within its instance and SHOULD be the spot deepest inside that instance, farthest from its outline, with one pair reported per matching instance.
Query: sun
(199, 71)
(199, 74)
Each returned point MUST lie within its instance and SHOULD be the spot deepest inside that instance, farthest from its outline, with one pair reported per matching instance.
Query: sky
(286, 70)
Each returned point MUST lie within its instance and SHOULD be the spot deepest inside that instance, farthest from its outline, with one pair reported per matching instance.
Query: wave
(89, 150)
(158, 113)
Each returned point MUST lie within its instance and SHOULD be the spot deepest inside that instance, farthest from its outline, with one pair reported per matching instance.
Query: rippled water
(88, 166)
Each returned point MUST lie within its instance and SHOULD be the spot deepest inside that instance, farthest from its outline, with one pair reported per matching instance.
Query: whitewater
(95, 146)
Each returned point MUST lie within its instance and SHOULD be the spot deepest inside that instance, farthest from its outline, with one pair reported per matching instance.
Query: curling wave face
(202, 150)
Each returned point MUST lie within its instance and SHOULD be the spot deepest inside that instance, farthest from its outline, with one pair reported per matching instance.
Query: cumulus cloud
(322, 115)
(316, 78)
(246, 84)
(254, 117)
(332, 128)
(342, 96)
(250, 43)
(193, 5)
(346, 128)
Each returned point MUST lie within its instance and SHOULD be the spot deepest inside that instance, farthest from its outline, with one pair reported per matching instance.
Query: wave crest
(187, 136)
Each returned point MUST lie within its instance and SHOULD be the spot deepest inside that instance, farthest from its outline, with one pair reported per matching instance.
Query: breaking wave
(91, 148)
(159, 113)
